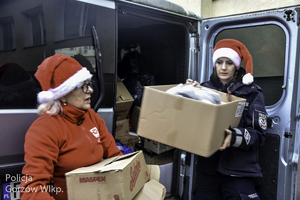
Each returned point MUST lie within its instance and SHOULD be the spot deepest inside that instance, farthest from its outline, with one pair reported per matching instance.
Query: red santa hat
(58, 75)
(235, 51)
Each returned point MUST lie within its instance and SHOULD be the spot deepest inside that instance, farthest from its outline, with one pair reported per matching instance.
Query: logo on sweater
(95, 132)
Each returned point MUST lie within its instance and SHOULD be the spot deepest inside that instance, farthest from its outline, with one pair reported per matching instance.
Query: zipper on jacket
(93, 157)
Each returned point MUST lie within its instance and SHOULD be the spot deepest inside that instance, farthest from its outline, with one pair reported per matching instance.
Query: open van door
(272, 37)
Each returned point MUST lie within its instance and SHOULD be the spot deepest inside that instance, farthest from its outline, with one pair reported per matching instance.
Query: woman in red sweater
(67, 135)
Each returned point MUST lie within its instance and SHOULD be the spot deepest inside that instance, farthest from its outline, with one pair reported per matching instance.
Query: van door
(272, 38)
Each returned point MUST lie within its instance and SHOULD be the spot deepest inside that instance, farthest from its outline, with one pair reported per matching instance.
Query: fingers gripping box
(120, 177)
(184, 123)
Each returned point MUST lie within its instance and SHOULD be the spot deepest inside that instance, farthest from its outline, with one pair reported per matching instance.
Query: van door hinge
(192, 27)
(288, 135)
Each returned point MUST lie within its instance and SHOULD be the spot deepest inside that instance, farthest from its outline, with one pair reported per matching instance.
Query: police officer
(229, 173)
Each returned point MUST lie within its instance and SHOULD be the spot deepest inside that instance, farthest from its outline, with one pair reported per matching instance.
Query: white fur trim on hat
(228, 53)
(70, 84)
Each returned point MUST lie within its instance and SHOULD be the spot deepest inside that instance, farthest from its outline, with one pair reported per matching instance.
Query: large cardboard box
(123, 102)
(156, 147)
(184, 123)
(120, 177)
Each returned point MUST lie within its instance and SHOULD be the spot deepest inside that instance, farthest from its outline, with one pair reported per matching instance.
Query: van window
(7, 33)
(266, 44)
(34, 27)
(75, 18)
(42, 30)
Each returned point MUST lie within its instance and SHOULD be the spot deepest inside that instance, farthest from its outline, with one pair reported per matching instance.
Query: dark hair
(233, 81)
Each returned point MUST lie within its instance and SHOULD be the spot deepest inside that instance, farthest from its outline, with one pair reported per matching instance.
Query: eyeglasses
(85, 87)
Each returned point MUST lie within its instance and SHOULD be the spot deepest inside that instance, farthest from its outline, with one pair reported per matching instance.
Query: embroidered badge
(262, 121)
(95, 132)
(247, 136)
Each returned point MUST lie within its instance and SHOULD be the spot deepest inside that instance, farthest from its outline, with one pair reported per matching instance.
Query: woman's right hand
(190, 81)
(227, 140)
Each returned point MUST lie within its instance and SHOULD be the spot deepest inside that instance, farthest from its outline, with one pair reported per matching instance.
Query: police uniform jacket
(241, 158)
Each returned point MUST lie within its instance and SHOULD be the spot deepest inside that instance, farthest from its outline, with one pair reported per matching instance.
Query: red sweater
(56, 144)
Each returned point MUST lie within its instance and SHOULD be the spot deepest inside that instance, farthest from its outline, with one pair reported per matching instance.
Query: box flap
(105, 165)
(120, 163)
(119, 94)
(92, 168)
(154, 172)
(122, 93)
(115, 166)
(151, 190)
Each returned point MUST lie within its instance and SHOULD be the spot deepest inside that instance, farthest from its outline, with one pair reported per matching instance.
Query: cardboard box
(123, 102)
(120, 177)
(191, 125)
(156, 147)
(153, 189)
(129, 140)
(122, 128)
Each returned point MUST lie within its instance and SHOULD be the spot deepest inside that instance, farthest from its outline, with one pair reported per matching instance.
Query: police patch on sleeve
(247, 136)
(262, 121)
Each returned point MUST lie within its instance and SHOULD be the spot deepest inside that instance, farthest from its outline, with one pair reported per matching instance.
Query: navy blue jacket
(241, 158)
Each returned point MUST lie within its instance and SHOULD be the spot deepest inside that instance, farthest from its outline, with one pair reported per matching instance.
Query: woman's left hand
(194, 83)
(227, 140)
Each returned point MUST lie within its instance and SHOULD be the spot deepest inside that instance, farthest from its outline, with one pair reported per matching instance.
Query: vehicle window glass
(85, 55)
(31, 33)
(75, 18)
(267, 46)
(6, 33)
(18, 88)
(34, 27)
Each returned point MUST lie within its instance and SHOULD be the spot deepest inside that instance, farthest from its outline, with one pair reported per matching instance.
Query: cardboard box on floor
(120, 177)
(129, 140)
(122, 128)
(123, 136)
(191, 125)
(123, 102)
(156, 147)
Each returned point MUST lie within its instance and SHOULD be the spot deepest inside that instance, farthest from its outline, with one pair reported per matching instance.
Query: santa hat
(58, 75)
(235, 51)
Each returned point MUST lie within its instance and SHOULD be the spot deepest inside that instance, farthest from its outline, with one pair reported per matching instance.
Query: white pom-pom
(248, 79)
(45, 97)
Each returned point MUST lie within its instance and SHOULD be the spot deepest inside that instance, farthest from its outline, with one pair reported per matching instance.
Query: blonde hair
(51, 108)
